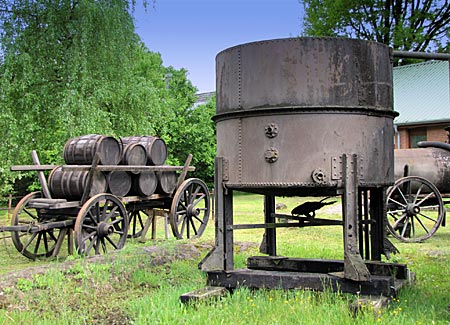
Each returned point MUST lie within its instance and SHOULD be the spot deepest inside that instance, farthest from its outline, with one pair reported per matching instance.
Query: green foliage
(59, 60)
(24, 284)
(193, 131)
(73, 68)
(39, 281)
(404, 25)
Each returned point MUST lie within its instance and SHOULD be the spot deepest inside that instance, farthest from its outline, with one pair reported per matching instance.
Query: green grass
(130, 289)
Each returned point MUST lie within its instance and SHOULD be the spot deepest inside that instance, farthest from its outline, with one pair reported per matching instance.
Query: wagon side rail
(102, 168)
(126, 168)
(105, 168)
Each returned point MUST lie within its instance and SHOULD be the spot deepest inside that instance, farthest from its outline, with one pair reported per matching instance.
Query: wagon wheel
(37, 244)
(101, 225)
(190, 208)
(414, 209)
(137, 223)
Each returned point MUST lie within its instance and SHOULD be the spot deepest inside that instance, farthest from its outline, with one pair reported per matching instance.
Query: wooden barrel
(167, 182)
(119, 183)
(81, 150)
(134, 154)
(70, 185)
(143, 184)
(156, 148)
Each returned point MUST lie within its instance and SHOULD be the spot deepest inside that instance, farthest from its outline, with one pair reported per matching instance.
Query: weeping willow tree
(73, 67)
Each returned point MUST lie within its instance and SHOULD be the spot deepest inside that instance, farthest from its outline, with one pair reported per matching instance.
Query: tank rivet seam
(239, 79)
(240, 150)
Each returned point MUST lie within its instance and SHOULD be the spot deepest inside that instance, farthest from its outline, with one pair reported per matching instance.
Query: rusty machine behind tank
(415, 205)
(306, 117)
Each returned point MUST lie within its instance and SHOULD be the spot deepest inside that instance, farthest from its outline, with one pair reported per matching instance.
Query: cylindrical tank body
(70, 185)
(430, 163)
(289, 109)
(81, 150)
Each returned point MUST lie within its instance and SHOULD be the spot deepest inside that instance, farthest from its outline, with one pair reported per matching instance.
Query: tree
(194, 132)
(60, 61)
(406, 25)
(69, 68)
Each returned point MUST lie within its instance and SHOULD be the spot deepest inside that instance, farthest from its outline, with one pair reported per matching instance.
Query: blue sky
(190, 33)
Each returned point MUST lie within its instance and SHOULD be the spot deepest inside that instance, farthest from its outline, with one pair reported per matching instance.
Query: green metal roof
(421, 93)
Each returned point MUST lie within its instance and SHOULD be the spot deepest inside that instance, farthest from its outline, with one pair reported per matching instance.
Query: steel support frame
(363, 231)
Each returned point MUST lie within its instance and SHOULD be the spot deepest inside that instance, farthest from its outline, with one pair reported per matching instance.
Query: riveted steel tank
(289, 110)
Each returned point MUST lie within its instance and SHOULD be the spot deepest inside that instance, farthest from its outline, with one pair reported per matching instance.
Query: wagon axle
(193, 211)
(104, 229)
(412, 209)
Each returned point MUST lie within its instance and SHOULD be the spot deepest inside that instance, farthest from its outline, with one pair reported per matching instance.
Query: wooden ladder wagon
(102, 223)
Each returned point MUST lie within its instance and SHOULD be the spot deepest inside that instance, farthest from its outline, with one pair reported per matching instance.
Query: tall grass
(129, 289)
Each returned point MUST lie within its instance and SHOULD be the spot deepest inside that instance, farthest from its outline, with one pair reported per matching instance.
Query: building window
(417, 135)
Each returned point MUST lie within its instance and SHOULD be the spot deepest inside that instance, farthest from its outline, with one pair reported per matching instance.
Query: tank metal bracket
(337, 168)
(225, 169)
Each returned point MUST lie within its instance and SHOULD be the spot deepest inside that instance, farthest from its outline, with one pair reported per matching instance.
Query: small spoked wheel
(415, 209)
(190, 208)
(137, 220)
(29, 242)
(101, 225)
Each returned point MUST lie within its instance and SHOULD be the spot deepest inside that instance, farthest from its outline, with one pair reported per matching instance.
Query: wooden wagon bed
(102, 222)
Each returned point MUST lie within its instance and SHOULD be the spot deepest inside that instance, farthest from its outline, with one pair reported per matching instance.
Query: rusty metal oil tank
(289, 109)
(430, 163)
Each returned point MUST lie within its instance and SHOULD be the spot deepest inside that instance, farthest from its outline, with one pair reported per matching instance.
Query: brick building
(422, 97)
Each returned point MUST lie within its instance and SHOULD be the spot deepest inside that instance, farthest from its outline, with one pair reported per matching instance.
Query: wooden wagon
(102, 222)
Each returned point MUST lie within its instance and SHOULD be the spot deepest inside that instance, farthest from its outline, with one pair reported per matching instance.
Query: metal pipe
(397, 133)
(434, 144)
(422, 55)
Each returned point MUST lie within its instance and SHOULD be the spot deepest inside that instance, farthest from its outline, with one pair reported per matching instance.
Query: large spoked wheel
(101, 225)
(32, 244)
(415, 209)
(137, 220)
(190, 208)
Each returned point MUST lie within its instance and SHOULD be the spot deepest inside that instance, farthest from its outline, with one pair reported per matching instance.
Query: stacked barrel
(133, 151)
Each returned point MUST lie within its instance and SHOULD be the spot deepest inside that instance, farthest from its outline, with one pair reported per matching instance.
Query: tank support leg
(354, 267)
(269, 245)
(377, 211)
